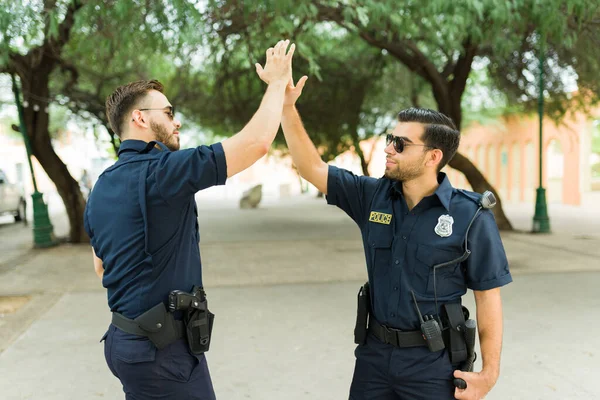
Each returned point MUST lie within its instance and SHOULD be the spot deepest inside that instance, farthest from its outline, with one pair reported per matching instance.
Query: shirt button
(404, 237)
(392, 314)
(397, 262)
(396, 288)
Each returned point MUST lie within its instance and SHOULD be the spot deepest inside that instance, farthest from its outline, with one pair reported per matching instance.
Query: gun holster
(198, 323)
(362, 314)
(456, 315)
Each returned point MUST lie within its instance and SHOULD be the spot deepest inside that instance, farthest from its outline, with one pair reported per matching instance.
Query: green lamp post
(42, 228)
(541, 221)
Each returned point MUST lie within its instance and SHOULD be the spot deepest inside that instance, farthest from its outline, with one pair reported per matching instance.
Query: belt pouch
(159, 325)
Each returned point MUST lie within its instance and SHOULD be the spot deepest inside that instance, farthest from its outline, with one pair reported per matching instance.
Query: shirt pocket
(381, 248)
(448, 282)
(381, 261)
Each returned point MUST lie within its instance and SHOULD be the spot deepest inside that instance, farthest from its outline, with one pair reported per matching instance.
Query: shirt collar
(139, 146)
(443, 192)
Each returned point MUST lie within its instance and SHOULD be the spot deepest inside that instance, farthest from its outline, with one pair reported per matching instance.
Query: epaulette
(473, 196)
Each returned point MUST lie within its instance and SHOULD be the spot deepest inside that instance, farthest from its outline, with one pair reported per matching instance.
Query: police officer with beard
(141, 218)
(411, 221)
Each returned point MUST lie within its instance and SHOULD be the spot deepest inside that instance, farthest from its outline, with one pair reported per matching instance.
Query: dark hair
(440, 131)
(124, 99)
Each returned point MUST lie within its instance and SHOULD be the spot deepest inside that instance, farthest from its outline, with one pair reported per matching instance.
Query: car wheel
(20, 216)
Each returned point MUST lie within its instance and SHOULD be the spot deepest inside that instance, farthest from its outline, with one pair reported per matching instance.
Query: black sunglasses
(169, 110)
(399, 142)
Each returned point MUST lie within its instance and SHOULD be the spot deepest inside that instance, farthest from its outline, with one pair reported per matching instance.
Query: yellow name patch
(380, 218)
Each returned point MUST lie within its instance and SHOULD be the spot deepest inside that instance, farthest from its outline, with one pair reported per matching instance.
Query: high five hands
(279, 67)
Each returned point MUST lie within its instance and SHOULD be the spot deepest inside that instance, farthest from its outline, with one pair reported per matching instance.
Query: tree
(77, 51)
(570, 71)
(34, 68)
(436, 40)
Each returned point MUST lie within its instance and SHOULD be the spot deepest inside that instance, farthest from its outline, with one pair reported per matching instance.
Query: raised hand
(293, 92)
(278, 66)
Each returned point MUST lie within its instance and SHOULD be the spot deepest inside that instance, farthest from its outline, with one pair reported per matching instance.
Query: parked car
(12, 200)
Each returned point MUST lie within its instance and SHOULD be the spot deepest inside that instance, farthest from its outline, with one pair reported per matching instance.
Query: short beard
(162, 135)
(406, 173)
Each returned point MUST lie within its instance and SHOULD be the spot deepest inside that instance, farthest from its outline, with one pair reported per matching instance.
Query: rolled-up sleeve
(487, 266)
(185, 172)
(350, 192)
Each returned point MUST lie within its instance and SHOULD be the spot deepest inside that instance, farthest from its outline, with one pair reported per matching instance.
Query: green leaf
(363, 16)
(53, 25)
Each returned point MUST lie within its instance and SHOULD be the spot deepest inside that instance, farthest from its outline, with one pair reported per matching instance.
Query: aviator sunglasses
(399, 142)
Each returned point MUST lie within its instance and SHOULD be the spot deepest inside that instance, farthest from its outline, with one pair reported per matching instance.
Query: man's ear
(138, 118)
(435, 157)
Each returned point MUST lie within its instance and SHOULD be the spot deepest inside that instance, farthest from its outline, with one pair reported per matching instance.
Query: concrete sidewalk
(282, 280)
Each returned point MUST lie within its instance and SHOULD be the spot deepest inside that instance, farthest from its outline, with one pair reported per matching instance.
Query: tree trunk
(480, 184)
(364, 164)
(34, 69)
(36, 85)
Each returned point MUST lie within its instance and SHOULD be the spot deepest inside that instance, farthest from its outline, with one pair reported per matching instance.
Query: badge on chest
(444, 225)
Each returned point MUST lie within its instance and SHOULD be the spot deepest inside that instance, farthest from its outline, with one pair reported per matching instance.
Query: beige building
(508, 155)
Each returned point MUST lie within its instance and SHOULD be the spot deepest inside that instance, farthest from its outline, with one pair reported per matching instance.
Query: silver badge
(444, 226)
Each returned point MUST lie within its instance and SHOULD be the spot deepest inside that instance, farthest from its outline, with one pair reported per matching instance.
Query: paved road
(282, 281)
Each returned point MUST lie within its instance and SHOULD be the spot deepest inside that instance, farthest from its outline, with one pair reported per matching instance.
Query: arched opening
(491, 165)
(515, 171)
(530, 172)
(595, 157)
(503, 172)
(555, 170)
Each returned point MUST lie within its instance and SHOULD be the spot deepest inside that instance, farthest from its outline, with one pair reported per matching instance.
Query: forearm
(253, 141)
(489, 318)
(263, 126)
(303, 151)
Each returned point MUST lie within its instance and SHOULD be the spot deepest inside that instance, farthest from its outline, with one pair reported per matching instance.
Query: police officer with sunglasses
(142, 221)
(416, 228)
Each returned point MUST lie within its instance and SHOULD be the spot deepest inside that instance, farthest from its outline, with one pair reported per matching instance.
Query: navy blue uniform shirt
(402, 245)
(142, 221)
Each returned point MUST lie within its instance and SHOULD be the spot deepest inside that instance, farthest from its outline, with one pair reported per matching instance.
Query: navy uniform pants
(148, 373)
(385, 372)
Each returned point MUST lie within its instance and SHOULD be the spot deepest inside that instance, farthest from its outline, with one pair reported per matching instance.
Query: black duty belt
(396, 337)
(131, 326)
